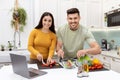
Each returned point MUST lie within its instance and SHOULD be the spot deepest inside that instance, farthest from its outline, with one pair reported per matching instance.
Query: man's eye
(75, 18)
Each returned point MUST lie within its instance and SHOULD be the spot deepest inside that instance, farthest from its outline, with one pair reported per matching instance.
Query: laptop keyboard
(32, 74)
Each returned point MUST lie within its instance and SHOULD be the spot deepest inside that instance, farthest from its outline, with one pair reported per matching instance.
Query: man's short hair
(72, 11)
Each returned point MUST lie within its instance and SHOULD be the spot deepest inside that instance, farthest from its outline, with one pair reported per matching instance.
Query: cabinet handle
(113, 59)
(116, 60)
(104, 58)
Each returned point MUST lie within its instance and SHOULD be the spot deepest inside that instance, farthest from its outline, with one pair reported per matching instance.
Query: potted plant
(10, 46)
(2, 47)
(19, 17)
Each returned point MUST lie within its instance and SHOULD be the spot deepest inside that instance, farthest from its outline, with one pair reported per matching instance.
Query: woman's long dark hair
(52, 28)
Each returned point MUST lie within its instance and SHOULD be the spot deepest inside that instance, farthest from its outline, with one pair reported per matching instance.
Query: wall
(6, 31)
(109, 34)
(90, 11)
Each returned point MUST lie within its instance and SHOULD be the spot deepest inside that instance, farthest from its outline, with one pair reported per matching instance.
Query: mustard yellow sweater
(43, 43)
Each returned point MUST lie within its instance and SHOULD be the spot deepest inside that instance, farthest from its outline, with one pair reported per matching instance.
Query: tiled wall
(108, 34)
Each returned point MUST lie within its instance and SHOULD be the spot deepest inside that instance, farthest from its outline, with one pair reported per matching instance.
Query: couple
(69, 39)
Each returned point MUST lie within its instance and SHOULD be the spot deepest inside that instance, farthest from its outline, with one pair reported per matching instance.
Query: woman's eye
(49, 21)
(45, 20)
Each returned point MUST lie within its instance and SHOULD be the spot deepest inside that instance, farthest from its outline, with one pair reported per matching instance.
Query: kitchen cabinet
(113, 58)
(115, 64)
(94, 13)
(106, 61)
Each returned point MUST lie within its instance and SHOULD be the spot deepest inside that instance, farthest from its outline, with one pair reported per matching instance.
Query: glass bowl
(68, 64)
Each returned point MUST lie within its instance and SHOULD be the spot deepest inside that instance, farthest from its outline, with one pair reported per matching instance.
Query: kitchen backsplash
(112, 35)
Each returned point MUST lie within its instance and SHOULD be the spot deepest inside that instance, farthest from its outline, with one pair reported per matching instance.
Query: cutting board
(103, 69)
(43, 67)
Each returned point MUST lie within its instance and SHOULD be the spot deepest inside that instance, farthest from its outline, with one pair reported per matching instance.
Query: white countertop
(6, 73)
(5, 57)
(112, 53)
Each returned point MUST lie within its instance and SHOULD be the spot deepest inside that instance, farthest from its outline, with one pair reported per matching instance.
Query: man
(72, 36)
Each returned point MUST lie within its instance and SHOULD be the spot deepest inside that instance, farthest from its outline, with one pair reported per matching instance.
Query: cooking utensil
(43, 61)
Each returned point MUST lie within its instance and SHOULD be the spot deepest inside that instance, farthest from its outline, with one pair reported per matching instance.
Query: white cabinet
(106, 61)
(111, 60)
(115, 64)
(94, 13)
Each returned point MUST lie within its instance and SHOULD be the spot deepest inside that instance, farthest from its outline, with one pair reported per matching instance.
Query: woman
(42, 39)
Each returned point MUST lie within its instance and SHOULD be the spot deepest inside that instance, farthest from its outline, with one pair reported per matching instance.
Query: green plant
(10, 46)
(2, 47)
(19, 16)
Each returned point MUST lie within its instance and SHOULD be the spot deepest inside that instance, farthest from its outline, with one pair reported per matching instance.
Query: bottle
(85, 66)
(80, 70)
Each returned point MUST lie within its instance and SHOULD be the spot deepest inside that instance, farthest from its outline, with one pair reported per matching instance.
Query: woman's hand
(50, 60)
(39, 57)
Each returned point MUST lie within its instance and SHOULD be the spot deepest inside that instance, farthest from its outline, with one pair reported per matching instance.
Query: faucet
(19, 43)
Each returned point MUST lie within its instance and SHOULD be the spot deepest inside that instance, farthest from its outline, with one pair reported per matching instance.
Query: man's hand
(60, 53)
(81, 53)
(39, 57)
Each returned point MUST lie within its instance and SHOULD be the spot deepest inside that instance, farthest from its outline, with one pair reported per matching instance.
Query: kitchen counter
(5, 57)
(112, 53)
(6, 73)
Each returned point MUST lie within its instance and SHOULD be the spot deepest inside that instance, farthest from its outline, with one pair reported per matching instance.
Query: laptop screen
(19, 64)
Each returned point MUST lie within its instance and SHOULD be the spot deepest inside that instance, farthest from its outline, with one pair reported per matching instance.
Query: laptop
(19, 65)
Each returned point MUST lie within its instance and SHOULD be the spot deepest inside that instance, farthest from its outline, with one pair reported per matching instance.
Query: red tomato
(50, 66)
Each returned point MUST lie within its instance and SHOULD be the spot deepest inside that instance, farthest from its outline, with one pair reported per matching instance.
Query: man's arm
(95, 48)
(59, 45)
(59, 50)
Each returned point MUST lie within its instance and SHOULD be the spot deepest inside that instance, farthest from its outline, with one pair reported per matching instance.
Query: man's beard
(74, 28)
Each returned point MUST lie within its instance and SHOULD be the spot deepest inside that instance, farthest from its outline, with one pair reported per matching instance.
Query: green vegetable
(83, 58)
(90, 62)
(86, 57)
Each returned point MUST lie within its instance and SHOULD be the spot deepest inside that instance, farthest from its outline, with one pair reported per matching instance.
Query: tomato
(96, 65)
(92, 67)
(99, 67)
(89, 67)
(45, 65)
(50, 66)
